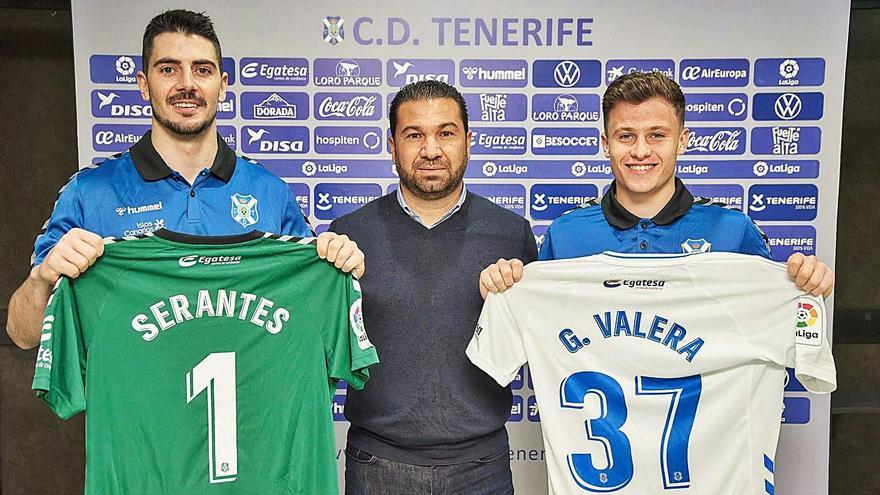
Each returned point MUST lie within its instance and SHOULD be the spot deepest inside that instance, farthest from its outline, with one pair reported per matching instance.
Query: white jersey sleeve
(499, 352)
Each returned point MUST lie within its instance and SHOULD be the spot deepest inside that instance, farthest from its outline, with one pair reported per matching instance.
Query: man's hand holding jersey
(809, 274)
(73, 254)
(342, 252)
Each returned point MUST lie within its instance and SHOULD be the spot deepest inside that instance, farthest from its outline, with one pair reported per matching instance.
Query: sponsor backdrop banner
(310, 85)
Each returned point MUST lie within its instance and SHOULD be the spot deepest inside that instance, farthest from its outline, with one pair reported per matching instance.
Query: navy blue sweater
(426, 403)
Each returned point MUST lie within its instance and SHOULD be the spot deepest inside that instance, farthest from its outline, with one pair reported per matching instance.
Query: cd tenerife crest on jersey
(244, 209)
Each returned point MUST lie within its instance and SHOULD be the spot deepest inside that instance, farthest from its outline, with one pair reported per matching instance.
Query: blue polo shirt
(136, 192)
(685, 225)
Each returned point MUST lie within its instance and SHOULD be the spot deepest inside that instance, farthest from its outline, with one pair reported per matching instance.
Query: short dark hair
(426, 90)
(179, 21)
(639, 87)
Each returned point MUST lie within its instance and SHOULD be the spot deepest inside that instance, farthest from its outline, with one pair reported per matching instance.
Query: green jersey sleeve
(61, 359)
(349, 351)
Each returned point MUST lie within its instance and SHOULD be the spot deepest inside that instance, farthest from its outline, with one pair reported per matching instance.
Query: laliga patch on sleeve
(356, 317)
(810, 328)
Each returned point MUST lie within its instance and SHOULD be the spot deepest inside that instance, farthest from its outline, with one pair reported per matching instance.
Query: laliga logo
(760, 169)
(490, 169)
(125, 65)
(186, 261)
(789, 68)
(578, 169)
(309, 168)
(566, 73)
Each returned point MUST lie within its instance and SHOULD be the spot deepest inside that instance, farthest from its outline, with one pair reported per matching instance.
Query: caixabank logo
(769, 202)
(275, 105)
(705, 72)
(565, 107)
(565, 141)
(496, 107)
(116, 137)
(403, 71)
(498, 141)
(569, 73)
(715, 107)
(716, 141)
(788, 106)
(229, 134)
(302, 196)
(730, 195)
(617, 68)
(493, 73)
(274, 139)
(274, 71)
(786, 140)
(786, 240)
(348, 140)
(334, 200)
(509, 196)
(348, 72)
(548, 201)
(801, 71)
(120, 104)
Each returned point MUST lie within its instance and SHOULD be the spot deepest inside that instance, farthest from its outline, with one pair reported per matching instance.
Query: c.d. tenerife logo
(333, 31)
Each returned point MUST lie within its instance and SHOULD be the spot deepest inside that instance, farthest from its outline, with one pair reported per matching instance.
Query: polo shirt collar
(620, 217)
(152, 167)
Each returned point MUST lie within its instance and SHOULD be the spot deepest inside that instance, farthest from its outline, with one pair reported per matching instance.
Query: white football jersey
(657, 373)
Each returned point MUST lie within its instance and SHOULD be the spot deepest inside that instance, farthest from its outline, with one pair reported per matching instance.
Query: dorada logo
(195, 259)
(333, 30)
(635, 284)
(723, 140)
(358, 106)
(274, 107)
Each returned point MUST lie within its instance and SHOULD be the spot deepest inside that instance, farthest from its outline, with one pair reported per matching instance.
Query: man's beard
(188, 128)
(433, 190)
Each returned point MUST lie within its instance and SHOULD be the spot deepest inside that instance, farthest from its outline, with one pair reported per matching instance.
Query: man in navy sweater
(429, 421)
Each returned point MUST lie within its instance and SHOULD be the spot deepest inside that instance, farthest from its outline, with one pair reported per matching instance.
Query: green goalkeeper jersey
(205, 364)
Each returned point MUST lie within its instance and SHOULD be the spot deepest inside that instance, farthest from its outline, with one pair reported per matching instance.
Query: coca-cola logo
(355, 107)
(720, 141)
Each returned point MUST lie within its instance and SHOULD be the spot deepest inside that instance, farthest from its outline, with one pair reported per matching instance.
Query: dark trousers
(366, 474)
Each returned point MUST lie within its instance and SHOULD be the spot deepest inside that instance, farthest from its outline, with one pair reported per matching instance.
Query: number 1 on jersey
(216, 375)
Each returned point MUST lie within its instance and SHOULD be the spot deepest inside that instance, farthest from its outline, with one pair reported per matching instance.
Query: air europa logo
(194, 259)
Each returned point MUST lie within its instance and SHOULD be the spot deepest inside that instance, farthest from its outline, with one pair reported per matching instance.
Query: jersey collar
(152, 167)
(620, 217)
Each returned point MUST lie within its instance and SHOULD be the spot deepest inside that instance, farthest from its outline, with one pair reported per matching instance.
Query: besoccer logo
(125, 65)
(333, 31)
(806, 315)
